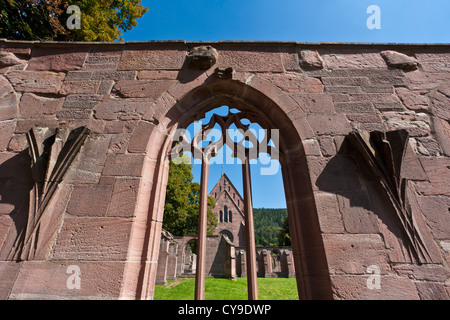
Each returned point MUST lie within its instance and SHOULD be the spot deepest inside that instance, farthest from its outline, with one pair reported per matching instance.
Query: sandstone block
(45, 280)
(354, 253)
(158, 59)
(80, 87)
(9, 59)
(99, 239)
(295, 83)
(412, 100)
(90, 200)
(355, 288)
(314, 102)
(124, 197)
(51, 59)
(7, 130)
(8, 274)
(140, 137)
(35, 106)
(436, 211)
(36, 81)
(329, 124)
(352, 60)
(330, 218)
(142, 88)
(8, 100)
(434, 62)
(244, 60)
(123, 165)
(121, 109)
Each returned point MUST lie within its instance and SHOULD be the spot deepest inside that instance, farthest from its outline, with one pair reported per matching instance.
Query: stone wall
(86, 207)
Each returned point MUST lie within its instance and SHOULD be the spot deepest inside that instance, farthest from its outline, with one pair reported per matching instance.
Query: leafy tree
(181, 208)
(268, 223)
(101, 20)
(284, 237)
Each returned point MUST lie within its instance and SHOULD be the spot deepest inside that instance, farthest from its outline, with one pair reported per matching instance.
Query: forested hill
(268, 223)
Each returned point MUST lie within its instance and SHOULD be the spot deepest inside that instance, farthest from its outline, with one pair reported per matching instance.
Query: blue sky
(405, 21)
(402, 21)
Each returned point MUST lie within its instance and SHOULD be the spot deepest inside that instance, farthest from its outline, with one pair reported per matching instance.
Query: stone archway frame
(187, 102)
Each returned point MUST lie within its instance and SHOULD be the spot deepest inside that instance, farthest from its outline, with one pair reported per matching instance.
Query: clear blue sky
(406, 21)
(402, 21)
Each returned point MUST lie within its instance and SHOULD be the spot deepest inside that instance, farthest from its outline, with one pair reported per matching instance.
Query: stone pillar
(161, 271)
(172, 261)
(252, 283)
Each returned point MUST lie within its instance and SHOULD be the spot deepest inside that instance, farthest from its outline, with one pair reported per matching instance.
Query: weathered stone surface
(140, 138)
(434, 61)
(45, 59)
(35, 106)
(314, 102)
(417, 124)
(122, 109)
(47, 280)
(81, 87)
(329, 124)
(35, 81)
(123, 197)
(355, 288)
(436, 169)
(310, 59)
(142, 88)
(436, 211)
(8, 100)
(90, 200)
(7, 130)
(8, 274)
(244, 60)
(357, 213)
(330, 218)
(123, 165)
(432, 291)
(354, 253)
(9, 59)
(346, 59)
(413, 100)
(399, 60)
(100, 239)
(442, 129)
(158, 59)
(295, 83)
(439, 105)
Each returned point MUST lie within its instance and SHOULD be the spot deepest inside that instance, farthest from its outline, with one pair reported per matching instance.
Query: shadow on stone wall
(16, 183)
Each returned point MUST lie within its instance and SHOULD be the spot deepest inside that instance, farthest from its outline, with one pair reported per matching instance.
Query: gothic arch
(188, 103)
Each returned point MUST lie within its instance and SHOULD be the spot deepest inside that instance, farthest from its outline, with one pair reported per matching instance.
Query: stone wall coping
(4, 41)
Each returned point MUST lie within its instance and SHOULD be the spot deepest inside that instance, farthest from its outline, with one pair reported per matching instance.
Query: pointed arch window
(247, 148)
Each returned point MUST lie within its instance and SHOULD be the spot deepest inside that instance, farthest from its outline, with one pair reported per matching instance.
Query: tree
(284, 237)
(101, 20)
(181, 208)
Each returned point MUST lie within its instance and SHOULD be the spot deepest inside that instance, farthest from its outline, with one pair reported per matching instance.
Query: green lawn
(224, 289)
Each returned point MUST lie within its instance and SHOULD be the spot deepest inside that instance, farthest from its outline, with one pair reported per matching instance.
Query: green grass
(224, 289)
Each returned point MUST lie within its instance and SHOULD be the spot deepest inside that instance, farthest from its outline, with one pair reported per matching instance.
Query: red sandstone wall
(107, 218)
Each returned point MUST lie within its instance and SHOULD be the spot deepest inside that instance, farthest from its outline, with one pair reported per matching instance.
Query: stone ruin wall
(103, 214)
